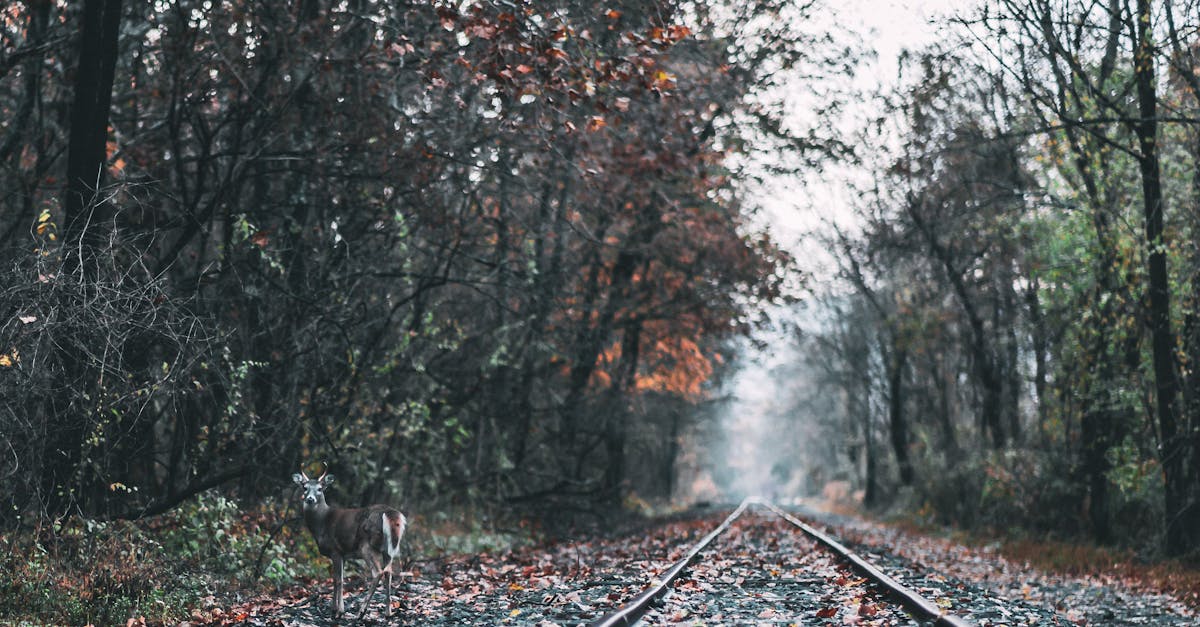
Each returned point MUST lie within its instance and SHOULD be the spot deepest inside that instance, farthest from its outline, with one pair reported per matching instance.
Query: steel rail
(919, 604)
(629, 613)
(632, 611)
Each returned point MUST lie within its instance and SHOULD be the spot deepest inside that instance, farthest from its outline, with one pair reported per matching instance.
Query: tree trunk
(86, 151)
(897, 419)
(1166, 383)
(1008, 320)
(83, 235)
(1037, 325)
(1191, 411)
(615, 429)
(1186, 70)
(1096, 426)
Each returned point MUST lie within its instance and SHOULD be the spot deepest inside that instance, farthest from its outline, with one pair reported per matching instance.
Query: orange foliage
(682, 368)
(671, 365)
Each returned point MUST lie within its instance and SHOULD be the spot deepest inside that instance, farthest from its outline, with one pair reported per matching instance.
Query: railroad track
(785, 587)
(757, 567)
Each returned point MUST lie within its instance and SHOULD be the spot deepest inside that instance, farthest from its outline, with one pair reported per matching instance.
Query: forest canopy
(481, 251)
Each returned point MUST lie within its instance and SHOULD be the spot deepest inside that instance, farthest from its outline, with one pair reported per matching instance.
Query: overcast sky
(888, 26)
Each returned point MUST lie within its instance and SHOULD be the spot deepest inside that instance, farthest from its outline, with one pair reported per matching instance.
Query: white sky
(793, 208)
(897, 24)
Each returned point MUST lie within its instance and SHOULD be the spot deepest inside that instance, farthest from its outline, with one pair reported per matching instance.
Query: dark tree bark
(1007, 320)
(871, 480)
(896, 416)
(1039, 347)
(943, 382)
(1166, 381)
(86, 152)
(1185, 62)
(84, 236)
(616, 427)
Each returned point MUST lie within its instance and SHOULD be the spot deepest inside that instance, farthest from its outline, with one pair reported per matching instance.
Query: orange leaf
(828, 612)
(678, 31)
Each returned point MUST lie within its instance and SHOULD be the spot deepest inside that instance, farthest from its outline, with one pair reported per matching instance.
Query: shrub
(104, 573)
(89, 572)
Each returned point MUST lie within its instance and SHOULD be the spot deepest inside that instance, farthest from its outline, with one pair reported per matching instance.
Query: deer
(370, 533)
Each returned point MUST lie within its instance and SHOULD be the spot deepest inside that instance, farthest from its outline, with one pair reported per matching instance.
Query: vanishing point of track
(920, 607)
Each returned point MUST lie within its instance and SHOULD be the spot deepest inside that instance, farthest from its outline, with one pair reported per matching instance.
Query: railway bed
(714, 568)
(803, 576)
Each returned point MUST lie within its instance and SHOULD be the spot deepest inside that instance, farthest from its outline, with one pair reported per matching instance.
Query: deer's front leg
(338, 571)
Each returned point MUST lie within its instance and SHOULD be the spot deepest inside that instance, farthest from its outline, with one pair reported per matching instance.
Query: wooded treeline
(1021, 343)
(459, 251)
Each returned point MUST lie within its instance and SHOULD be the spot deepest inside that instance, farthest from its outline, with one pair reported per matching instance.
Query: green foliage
(103, 573)
(216, 536)
(1041, 493)
(1137, 476)
(93, 573)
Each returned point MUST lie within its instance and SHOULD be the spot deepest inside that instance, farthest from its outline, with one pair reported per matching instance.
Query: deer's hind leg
(388, 573)
(376, 570)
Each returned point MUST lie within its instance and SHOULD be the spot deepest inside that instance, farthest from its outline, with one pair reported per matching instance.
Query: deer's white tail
(393, 530)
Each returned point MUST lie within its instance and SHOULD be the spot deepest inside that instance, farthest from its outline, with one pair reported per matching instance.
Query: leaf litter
(760, 572)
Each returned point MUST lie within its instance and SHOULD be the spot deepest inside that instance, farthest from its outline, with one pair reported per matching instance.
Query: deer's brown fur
(371, 534)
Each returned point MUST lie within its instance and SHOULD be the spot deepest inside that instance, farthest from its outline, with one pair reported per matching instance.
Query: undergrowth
(207, 553)
(88, 572)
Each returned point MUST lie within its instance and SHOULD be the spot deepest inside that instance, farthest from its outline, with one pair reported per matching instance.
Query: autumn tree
(458, 252)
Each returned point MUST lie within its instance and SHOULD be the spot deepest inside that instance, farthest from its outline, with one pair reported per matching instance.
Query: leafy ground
(1083, 585)
(759, 572)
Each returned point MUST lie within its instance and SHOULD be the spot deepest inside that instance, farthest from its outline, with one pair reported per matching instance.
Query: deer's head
(314, 489)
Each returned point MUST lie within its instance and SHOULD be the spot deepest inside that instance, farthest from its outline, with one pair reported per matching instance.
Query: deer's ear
(298, 478)
(326, 480)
